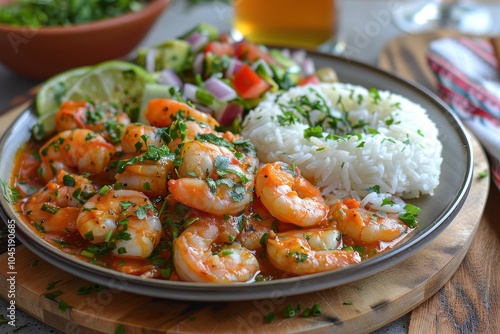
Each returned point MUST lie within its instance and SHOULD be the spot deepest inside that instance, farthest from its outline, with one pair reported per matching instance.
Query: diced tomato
(312, 79)
(220, 49)
(248, 84)
(252, 52)
(224, 38)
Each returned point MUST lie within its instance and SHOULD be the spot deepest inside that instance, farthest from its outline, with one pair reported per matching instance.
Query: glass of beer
(297, 23)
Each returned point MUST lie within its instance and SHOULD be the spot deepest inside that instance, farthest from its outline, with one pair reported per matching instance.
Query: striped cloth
(468, 77)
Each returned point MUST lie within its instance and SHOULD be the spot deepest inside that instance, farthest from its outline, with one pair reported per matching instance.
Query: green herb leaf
(89, 236)
(50, 209)
(387, 201)
(289, 311)
(409, 219)
(374, 189)
(120, 329)
(316, 131)
(53, 295)
(316, 310)
(63, 306)
(69, 180)
(483, 175)
(104, 190)
(52, 285)
(298, 256)
(268, 318)
(413, 209)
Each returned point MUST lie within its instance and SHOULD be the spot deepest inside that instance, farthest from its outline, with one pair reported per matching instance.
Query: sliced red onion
(308, 67)
(197, 41)
(170, 78)
(265, 66)
(151, 60)
(285, 52)
(299, 56)
(227, 115)
(220, 89)
(204, 109)
(198, 63)
(234, 66)
(190, 92)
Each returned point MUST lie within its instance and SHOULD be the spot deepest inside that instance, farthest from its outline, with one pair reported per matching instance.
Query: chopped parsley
(11, 194)
(374, 189)
(483, 174)
(50, 208)
(409, 219)
(52, 285)
(298, 256)
(69, 180)
(387, 201)
(288, 311)
(316, 131)
(269, 317)
(63, 306)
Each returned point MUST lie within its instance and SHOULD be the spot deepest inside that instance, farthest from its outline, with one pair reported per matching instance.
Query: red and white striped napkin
(468, 76)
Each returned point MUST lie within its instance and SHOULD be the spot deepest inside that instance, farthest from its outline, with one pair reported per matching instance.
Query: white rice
(402, 157)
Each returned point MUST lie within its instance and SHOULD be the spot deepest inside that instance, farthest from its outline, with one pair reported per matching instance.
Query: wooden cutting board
(358, 307)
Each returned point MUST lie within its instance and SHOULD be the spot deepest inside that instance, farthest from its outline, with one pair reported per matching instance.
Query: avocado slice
(169, 54)
(206, 29)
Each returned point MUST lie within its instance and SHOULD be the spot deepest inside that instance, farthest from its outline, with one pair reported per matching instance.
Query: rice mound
(346, 139)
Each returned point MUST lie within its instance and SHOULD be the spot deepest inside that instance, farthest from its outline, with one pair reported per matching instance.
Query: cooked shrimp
(125, 218)
(288, 196)
(101, 117)
(204, 252)
(161, 113)
(304, 252)
(139, 137)
(79, 150)
(148, 172)
(55, 207)
(193, 129)
(363, 225)
(213, 179)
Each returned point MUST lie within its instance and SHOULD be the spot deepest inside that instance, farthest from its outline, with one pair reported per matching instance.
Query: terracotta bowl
(42, 52)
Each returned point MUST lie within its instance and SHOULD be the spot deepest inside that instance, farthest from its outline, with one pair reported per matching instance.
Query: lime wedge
(113, 81)
(51, 93)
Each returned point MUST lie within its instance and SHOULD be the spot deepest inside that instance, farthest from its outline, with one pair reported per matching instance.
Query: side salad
(223, 77)
(202, 67)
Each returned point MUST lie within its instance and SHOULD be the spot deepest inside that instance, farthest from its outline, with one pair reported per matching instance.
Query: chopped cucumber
(206, 29)
(154, 91)
(170, 54)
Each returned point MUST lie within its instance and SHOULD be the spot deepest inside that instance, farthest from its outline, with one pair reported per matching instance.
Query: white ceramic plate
(437, 211)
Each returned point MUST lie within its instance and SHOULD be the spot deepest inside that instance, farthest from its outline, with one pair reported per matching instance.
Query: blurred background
(360, 28)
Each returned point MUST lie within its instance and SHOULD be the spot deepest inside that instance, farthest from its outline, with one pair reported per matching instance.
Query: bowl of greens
(40, 38)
